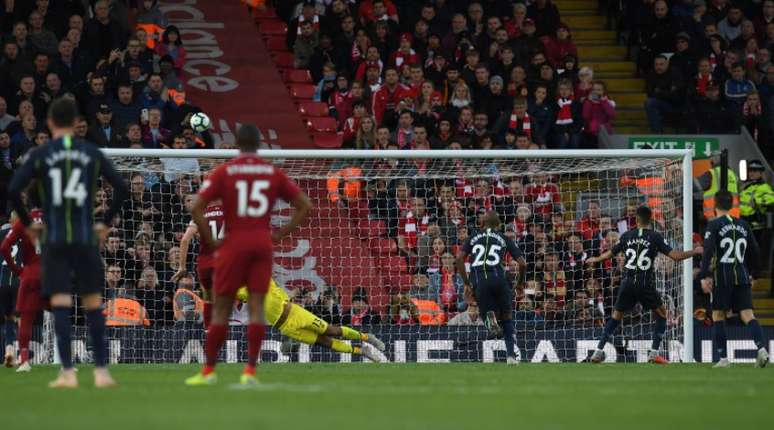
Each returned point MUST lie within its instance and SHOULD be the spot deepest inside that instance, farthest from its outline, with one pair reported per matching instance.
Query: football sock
(610, 327)
(62, 328)
(341, 346)
(255, 333)
(207, 314)
(719, 338)
(25, 334)
(508, 335)
(757, 333)
(352, 334)
(9, 331)
(216, 335)
(659, 328)
(96, 322)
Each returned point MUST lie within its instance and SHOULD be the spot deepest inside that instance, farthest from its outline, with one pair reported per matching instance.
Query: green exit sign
(702, 147)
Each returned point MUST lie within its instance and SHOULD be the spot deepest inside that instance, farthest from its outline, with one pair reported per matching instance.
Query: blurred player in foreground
(9, 290)
(30, 300)
(67, 170)
(247, 187)
(641, 246)
(299, 324)
(727, 244)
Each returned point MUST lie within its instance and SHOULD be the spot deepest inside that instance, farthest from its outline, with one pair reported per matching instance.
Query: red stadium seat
(302, 91)
(368, 229)
(322, 124)
(273, 27)
(276, 43)
(328, 140)
(283, 60)
(313, 109)
(297, 76)
(268, 13)
(382, 246)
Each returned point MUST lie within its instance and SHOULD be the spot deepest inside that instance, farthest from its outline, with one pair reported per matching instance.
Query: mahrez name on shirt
(638, 241)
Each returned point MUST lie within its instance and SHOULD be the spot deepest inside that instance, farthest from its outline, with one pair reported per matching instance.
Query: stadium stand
(381, 74)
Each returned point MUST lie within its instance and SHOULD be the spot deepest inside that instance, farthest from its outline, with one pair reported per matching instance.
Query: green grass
(400, 396)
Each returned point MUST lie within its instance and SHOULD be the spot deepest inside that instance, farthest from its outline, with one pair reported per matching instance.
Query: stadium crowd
(465, 75)
(707, 64)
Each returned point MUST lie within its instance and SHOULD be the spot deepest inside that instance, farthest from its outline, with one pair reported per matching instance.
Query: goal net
(378, 252)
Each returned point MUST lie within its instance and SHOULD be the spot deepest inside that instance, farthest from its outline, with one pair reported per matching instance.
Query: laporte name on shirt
(68, 154)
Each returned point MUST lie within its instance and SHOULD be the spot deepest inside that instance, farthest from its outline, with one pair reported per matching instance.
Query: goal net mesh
(378, 252)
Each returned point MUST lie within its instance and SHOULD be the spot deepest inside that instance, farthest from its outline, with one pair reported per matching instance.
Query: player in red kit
(247, 187)
(29, 300)
(205, 262)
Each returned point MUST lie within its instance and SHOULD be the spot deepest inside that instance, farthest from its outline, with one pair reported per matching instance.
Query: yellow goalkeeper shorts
(303, 325)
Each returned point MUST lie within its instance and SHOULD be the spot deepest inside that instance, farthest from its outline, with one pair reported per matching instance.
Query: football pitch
(399, 396)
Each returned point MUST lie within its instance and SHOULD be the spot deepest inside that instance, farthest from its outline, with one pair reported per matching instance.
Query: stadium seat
(283, 60)
(276, 43)
(302, 91)
(379, 246)
(297, 76)
(397, 283)
(322, 124)
(310, 109)
(328, 140)
(368, 229)
(266, 14)
(358, 210)
(272, 27)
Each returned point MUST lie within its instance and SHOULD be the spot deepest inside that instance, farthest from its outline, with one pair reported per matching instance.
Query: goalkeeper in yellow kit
(299, 324)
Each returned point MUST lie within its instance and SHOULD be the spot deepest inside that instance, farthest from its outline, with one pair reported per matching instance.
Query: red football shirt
(248, 186)
(214, 216)
(30, 254)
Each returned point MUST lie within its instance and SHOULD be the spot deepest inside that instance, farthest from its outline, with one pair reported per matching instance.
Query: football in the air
(200, 122)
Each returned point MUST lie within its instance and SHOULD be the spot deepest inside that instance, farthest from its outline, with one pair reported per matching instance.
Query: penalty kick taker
(299, 324)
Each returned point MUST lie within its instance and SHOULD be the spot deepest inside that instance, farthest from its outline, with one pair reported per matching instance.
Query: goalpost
(379, 242)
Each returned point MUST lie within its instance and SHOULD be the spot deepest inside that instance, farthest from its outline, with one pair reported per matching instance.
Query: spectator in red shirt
(514, 24)
(554, 278)
(544, 195)
(558, 46)
(588, 226)
(629, 219)
(386, 99)
(172, 45)
(598, 111)
(372, 58)
(405, 54)
(352, 124)
(438, 249)
(376, 10)
(404, 134)
(413, 223)
(361, 312)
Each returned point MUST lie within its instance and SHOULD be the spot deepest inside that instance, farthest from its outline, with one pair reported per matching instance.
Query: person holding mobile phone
(598, 111)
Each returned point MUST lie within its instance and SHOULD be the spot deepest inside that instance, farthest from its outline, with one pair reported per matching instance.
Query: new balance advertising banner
(230, 75)
(405, 344)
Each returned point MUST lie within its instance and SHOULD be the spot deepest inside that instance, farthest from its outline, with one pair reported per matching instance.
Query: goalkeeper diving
(299, 324)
